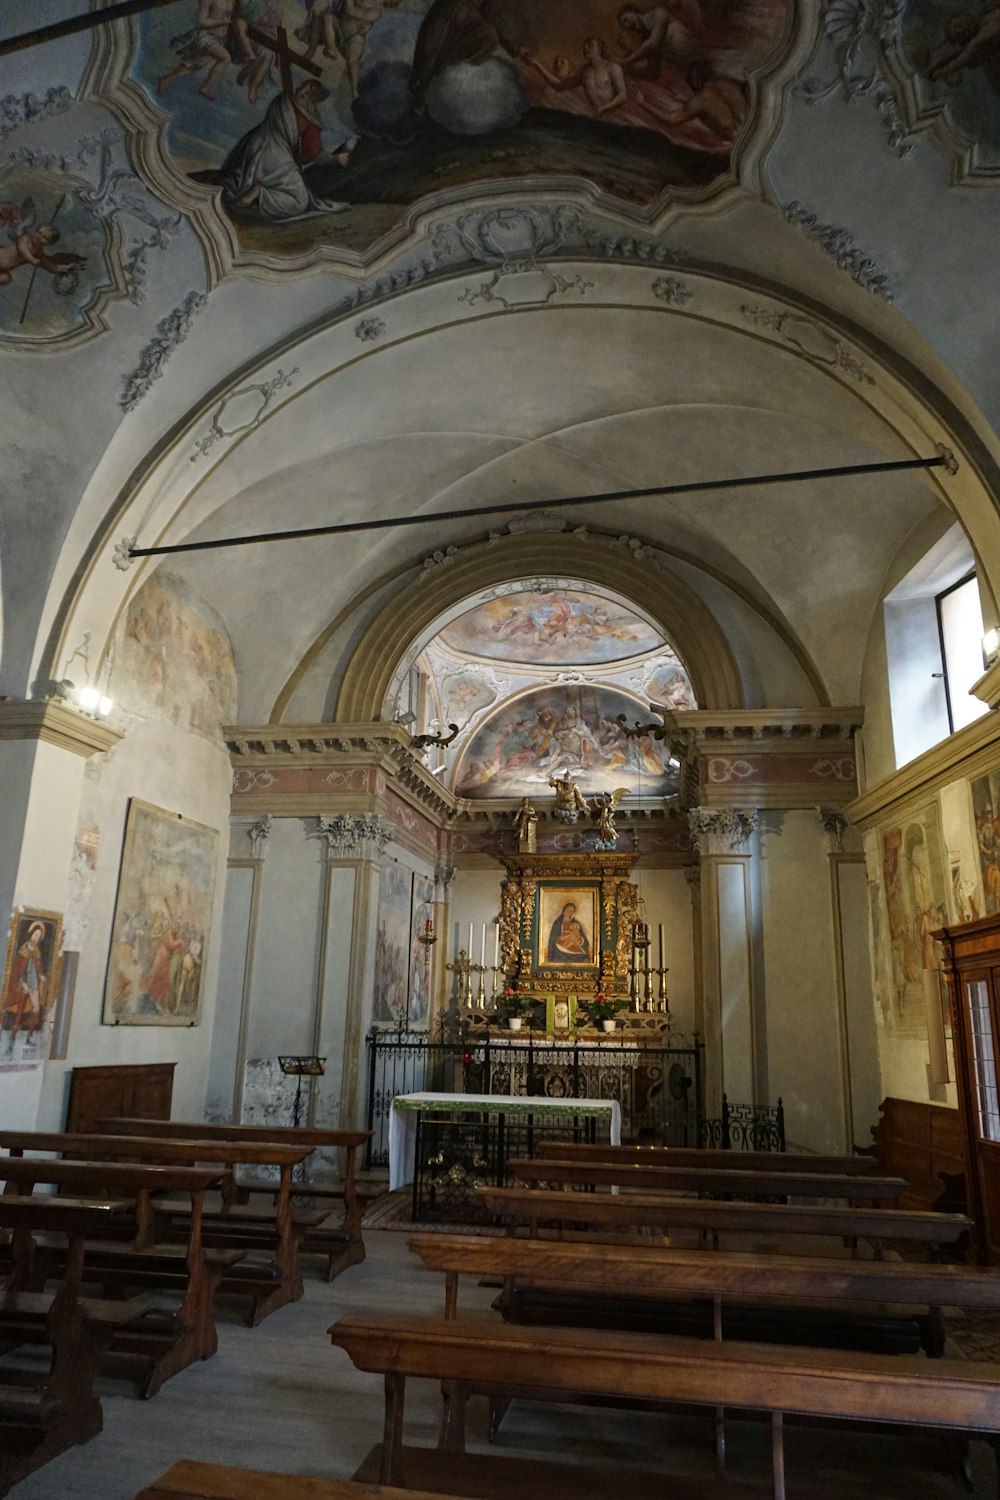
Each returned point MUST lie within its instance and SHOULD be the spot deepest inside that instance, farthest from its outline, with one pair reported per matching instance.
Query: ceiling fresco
(319, 122)
(556, 628)
(563, 728)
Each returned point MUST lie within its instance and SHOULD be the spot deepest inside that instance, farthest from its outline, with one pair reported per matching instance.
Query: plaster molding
(355, 836)
(258, 834)
(171, 332)
(764, 731)
(987, 687)
(809, 338)
(56, 724)
(721, 830)
(971, 752)
(838, 243)
(444, 876)
(17, 110)
(248, 404)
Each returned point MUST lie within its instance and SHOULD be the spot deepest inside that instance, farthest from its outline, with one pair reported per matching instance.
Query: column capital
(835, 826)
(258, 833)
(355, 835)
(721, 830)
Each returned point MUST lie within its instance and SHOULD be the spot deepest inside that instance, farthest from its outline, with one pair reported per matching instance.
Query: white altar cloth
(407, 1107)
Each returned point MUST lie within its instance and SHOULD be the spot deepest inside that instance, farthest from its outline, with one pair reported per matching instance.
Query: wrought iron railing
(659, 1089)
(745, 1127)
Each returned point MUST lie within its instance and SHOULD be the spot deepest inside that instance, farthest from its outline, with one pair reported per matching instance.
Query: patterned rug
(394, 1210)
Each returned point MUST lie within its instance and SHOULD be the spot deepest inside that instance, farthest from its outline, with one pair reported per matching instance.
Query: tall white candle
(661, 945)
(470, 943)
(482, 951)
(496, 945)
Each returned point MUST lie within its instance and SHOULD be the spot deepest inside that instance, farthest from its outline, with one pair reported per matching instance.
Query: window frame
(945, 677)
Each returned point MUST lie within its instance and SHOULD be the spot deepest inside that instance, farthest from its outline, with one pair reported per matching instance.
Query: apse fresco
(552, 629)
(558, 728)
(321, 120)
(670, 687)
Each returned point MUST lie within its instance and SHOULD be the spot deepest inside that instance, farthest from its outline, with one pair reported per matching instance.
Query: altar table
(409, 1109)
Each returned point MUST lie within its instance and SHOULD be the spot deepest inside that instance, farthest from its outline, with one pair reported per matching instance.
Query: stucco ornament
(721, 830)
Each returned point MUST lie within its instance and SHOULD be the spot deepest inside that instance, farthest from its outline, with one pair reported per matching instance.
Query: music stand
(305, 1065)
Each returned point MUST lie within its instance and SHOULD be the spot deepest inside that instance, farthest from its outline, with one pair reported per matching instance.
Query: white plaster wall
(222, 1096)
(865, 1081)
(475, 898)
(286, 953)
(800, 1004)
(667, 897)
(182, 773)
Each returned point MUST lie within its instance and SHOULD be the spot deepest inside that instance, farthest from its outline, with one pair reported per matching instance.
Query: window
(960, 627)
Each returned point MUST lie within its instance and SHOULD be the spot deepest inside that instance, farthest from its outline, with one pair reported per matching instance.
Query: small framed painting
(30, 985)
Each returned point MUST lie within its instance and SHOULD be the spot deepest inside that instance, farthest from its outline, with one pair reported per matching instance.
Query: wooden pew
(278, 1230)
(343, 1246)
(685, 1156)
(642, 1211)
(140, 1259)
(40, 1419)
(652, 1177)
(582, 1273)
(568, 1363)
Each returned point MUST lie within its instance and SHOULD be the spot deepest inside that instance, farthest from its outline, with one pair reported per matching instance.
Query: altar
(447, 1145)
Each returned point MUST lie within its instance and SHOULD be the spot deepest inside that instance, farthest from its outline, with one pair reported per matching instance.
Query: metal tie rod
(660, 491)
(73, 24)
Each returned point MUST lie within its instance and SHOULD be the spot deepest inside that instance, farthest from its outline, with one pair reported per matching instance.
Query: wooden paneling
(921, 1142)
(142, 1090)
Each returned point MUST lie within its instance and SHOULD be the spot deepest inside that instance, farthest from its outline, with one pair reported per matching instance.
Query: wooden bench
(138, 1260)
(640, 1211)
(343, 1245)
(685, 1156)
(277, 1230)
(572, 1280)
(42, 1417)
(741, 1183)
(563, 1363)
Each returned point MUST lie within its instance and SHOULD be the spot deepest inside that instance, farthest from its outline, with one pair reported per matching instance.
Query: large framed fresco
(986, 810)
(559, 627)
(914, 883)
(30, 986)
(163, 916)
(422, 912)
(560, 728)
(321, 121)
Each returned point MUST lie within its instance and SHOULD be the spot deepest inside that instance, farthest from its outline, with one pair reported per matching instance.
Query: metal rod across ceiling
(73, 24)
(660, 491)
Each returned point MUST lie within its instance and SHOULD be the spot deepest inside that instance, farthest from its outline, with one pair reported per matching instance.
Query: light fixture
(437, 770)
(991, 646)
(91, 701)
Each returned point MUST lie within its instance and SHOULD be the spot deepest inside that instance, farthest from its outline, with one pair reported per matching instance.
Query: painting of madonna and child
(321, 121)
(516, 751)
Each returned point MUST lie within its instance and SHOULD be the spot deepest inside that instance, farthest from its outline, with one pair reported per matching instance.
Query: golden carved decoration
(617, 904)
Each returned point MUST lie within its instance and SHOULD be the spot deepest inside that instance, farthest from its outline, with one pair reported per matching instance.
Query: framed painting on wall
(163, 915)
(30, 986)
(392, 944)
(568, 931)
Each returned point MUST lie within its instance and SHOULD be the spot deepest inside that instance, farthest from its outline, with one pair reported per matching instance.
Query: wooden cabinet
(136, 1090)
(972, 962)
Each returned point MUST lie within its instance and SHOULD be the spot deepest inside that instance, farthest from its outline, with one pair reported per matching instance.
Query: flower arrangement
(513, 1003)
(603, 1007)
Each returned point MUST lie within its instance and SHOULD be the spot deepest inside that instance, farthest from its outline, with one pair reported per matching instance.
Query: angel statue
(570, 801)
(602, 810)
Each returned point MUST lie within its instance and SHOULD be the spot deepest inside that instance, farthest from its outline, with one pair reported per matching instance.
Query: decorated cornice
(972, 752)
(57, 725)
(766, 729)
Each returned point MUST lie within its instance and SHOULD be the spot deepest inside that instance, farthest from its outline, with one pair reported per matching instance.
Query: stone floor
(280, 1397)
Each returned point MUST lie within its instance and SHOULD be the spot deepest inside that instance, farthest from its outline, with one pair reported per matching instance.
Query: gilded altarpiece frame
(533, 900)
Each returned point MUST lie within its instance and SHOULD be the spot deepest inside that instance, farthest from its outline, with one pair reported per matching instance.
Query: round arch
(669, 602)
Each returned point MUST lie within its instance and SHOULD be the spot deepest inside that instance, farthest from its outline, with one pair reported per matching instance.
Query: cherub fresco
(444, 93)
(28, 244)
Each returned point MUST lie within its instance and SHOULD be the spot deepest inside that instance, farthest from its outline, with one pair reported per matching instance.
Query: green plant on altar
(603, 1007)
(513, 1003)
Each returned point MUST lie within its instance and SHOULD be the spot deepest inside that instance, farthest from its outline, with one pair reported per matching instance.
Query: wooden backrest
(639, 1210)
(827, 1382)
(683, 1156)
(58, 1215)
(184, 1130)
(189, 1480)
(644, 1271)
(652, 1176)
(113, 1176)
(155, 1148)
(119, 1089)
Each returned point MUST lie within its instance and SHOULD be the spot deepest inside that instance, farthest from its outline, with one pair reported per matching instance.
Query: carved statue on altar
(525, 826)
(570, 801)
(602, 810)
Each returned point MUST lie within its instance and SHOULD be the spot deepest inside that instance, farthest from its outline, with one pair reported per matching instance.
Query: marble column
(721, 836)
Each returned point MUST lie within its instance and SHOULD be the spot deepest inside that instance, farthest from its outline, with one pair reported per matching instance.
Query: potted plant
(515, 1007)
(602, 1010)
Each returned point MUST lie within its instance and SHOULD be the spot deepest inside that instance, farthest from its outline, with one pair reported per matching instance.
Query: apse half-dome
(536, 674)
